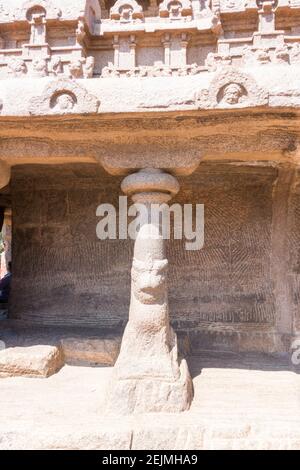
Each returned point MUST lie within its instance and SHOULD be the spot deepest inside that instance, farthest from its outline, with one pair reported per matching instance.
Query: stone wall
(228, 295)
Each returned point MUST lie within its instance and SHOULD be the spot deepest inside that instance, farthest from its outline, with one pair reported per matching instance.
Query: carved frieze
(157, 70)
(231, 89)
(64, 97)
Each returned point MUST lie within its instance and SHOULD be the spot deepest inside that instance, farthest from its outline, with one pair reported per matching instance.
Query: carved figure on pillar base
(148, 376)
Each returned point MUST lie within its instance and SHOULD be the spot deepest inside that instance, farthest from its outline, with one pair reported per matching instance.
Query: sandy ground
(240, 402)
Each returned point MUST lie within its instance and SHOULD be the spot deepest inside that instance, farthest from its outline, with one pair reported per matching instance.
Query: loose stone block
(32, 361)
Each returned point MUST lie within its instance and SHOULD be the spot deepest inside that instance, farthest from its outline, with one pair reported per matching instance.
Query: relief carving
(282, 55)
(37, 19)
(175, 9)
(259, 56)
(52, 12)
(64, 97)
(126, 11)
(216, 19)
(216, 61)
(76, 68)
(149, 281)
(157, 70)
(232, 89)
(82, 68)
(88, 67)
(80, 32)
(295, 53)
(57, 66)
(39, 67)
(16, 67)
(110, 71)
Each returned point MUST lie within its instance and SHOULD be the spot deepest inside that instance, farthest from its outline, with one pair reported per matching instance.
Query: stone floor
(241, 402)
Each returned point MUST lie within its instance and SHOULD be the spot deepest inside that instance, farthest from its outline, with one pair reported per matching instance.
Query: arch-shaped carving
(34, 11)
(126, 11)
(231, 88)
(64, 97)
(175, 9)
(51, 11)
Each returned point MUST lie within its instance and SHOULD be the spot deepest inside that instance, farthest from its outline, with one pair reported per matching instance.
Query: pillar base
(154, 381)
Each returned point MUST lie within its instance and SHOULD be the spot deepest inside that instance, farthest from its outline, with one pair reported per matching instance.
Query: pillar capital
(150, 185)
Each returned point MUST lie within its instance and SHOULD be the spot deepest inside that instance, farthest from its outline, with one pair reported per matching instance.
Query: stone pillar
(148, 376)
(166, 41)
(116, 47)
(38, 29)
(7, 238)
(184, 44)
(132, 47)
(266, 16)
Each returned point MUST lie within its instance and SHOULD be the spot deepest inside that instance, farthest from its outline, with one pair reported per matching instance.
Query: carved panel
(175, 9)
(52, 11)
(126, 11)
(64, 97)
(232, 89)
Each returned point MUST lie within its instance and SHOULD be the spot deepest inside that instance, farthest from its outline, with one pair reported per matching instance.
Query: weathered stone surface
(31, 361)
(148, 375)
(91, 351)
(64, 97)
(54, 224)
(235, 407)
